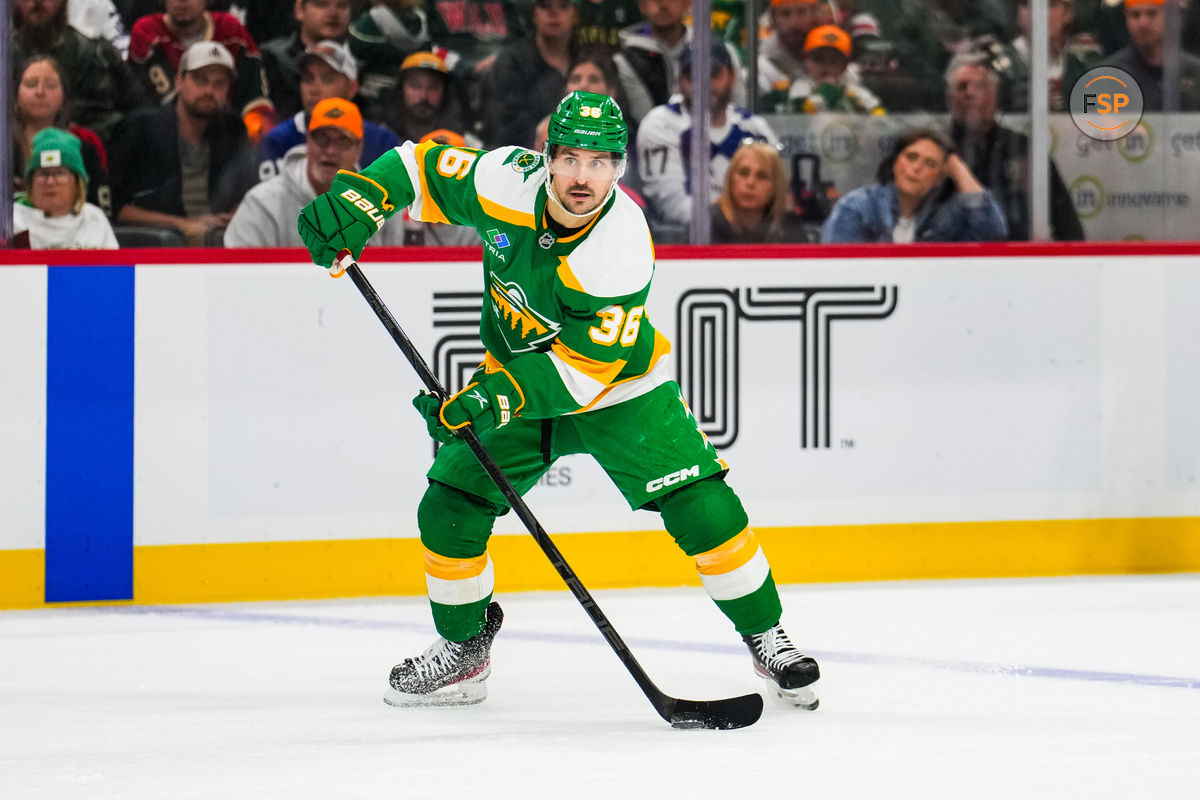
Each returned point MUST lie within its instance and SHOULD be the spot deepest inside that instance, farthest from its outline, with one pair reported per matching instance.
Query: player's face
(319, 81)
(825, 65)
(792, 22)
(751, 187)
(587, 77)
(918, 169)
(329, 150)
(972, 96)
(581, 178)
(184, 12)
(40, 95)
(1145, 24)
(323, 19)
(204, 91)
(423, 93)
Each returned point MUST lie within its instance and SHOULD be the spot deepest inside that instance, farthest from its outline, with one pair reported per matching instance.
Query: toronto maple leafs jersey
(566, 317)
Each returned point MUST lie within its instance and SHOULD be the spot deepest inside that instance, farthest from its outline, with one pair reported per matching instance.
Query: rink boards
(183, 429)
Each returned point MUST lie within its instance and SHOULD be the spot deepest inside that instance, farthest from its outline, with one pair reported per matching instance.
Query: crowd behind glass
(210, 123)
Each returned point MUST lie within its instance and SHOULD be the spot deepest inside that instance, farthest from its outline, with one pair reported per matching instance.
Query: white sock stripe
(461, 591)
(739, 582)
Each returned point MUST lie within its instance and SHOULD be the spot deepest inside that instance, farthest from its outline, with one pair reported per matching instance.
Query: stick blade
(718, 715)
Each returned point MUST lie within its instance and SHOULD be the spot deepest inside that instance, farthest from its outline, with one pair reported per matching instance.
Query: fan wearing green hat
(54, 212)
(573, 365)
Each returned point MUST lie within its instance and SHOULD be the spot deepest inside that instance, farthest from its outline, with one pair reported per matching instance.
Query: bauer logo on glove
(366, 205)
(484, 404)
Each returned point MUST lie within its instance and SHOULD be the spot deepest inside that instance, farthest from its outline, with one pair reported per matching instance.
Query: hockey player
(573, 365)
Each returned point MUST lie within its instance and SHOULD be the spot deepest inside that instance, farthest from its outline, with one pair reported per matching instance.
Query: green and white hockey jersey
(565, 317)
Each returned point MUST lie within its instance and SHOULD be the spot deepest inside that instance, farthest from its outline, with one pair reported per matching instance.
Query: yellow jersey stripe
(662, 346)
(430, 211)
(602, 371)
(567, 276)
(506, 214)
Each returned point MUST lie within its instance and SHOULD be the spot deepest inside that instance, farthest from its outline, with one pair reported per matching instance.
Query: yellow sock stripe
(740, 581)
(454, 568)
(456, 581)
(729, 556)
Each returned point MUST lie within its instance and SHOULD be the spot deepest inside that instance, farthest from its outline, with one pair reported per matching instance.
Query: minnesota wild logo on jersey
(527, 330)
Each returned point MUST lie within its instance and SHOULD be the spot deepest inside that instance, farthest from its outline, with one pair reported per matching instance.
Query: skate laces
(440, 659)
(775, 648)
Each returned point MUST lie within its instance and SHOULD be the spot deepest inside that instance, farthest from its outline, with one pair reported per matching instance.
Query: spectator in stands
(327, 70)
(529, 78)
(55, 214)
(467, 35)
(601, 22)
(648, 58)
(158, 42)
(755, 206)
(187, 164)
(268, 213)
(383, 37)
(99, 19)
(41, 102)
(426, 101)
(319, 21)
(1143, 58)
(999, 156)
(905, 204)
(781, 57)
(101, 87)
(664, 140)
(1071, 55)
(826, 85)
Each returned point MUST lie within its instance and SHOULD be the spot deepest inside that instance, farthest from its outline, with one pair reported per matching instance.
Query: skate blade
(804, 697)
(459, 694)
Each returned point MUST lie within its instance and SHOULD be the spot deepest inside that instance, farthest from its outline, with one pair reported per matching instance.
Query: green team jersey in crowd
(565, 317)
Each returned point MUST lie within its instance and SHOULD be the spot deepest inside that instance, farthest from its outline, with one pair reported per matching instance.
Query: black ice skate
(787, 671)
(448, 673)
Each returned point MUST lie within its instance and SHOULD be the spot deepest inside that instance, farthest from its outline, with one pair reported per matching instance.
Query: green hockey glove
(490, 402)
(429, 405)
(343, 218)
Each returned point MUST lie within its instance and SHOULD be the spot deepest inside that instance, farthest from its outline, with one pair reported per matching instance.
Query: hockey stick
(733, 712)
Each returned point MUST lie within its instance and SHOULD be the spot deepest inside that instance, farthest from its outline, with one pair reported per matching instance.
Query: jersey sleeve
(435, 182)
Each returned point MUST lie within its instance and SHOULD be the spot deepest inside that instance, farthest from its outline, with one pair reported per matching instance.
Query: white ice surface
(1063, 688)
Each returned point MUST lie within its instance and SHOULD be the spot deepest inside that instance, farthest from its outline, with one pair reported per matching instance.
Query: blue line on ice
(977, 667)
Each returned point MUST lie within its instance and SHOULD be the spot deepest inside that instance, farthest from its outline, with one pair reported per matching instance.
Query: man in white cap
(326, 70)
(187, 164)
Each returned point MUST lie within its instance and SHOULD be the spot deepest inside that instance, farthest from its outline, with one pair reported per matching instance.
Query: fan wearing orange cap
(825, 85)
(267, 214)
(1142, 58)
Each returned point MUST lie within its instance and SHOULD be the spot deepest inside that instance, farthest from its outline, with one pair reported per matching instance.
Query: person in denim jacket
(923, 193)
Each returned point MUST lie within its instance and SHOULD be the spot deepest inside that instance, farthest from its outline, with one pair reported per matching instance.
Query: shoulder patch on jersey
(505, 192)
(617, 257)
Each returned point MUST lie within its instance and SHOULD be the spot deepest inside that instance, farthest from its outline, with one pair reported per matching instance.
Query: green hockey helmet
(588, 121)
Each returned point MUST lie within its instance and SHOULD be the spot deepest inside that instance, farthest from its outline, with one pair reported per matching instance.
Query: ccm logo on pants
(674, 478)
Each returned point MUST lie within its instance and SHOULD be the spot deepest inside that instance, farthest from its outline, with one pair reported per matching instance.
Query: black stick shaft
(467, 434)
